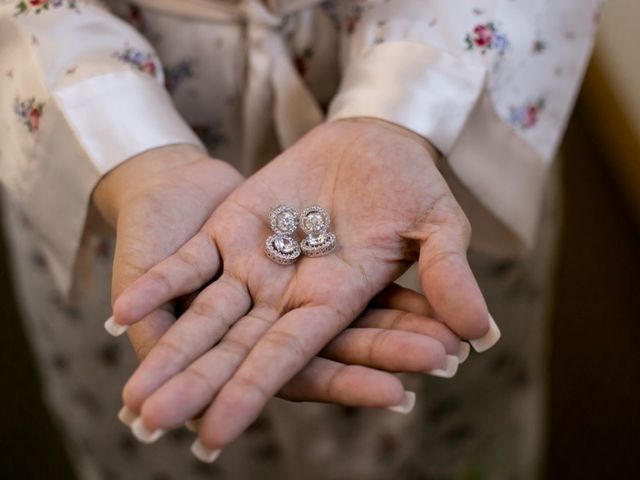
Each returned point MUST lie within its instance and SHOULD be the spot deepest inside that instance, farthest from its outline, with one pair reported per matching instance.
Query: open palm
(259, 323)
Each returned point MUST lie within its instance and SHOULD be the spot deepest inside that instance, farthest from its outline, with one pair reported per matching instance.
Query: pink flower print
(37, 6)
(143, 61)
(526, 116)
(34, 119)
(29, 112)
(485, 37)
(149, 67)
(351, 22)
(482, 36)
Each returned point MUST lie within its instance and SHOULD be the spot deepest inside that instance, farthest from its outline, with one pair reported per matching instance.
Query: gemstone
(314, 222)
(315, 240)
(286, 222)
(284, 245)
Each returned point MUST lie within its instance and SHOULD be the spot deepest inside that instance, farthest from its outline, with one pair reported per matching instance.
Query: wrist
(398, 130)
(134, 176)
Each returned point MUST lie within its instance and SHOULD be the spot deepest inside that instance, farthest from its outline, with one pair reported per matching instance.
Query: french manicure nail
(407, 404)
(463, 352)
(193, 425)
(489, 339)
(449, 370)
(114, 328)
(142, 433)
(126, 416)
(203, 454)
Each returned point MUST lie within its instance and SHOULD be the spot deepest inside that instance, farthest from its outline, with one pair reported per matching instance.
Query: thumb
(447, 279)
(132, 260)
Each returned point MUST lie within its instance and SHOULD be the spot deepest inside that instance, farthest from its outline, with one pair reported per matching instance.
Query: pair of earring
(283, 248)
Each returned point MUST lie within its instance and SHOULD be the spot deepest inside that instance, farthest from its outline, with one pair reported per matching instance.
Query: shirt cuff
(93, 127)
(420, 87)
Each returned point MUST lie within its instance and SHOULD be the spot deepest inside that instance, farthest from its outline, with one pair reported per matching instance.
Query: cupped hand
(258, 324)
(159, 199)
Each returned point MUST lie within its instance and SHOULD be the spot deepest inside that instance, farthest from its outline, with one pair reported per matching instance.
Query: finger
(328, 381)
(451, 287)
(203, 324)
(193, 265)
(393, 351)
(188, 393)
(323, 380)
(143, 336)
(281, 353)
(411, 322)
(400, 298)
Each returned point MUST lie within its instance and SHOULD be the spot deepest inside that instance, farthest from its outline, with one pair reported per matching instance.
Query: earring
(315, 222)
(281, 247)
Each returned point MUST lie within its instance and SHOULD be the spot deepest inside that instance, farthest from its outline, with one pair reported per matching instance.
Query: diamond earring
(319, 241)
(281, 247)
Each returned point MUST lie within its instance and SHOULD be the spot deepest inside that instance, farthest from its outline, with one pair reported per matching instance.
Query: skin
(252, 330)
(160, 199)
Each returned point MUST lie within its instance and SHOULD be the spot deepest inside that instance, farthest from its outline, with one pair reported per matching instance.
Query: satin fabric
(489, 84)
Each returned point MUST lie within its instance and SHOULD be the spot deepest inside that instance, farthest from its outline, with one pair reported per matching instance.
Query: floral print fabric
(478, 425)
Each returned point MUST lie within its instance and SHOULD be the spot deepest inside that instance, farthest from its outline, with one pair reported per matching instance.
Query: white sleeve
(489, 84)
(80, 92)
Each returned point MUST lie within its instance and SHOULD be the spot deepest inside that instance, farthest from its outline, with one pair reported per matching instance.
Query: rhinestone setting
(284, 220)
(281, 247)
(315, 222)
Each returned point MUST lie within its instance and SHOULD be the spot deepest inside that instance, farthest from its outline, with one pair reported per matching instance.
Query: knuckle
(173, 350)
(443, 256)
(332, 388)
(193, 262)
(202, 308)
(234, 347)
(281, 340)
(253, 386)
(377, 345)
(157, 277)
(200, 380)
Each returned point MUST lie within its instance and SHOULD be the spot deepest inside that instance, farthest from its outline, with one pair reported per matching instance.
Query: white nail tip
(114, 328)
(407, 404)
(449, 370)
(203, 454)
(193, 425)
(489, 339)
(126, 416)
(143, 434)
(463, 352)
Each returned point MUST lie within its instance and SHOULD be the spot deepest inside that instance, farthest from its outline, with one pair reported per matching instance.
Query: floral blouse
(490, 83)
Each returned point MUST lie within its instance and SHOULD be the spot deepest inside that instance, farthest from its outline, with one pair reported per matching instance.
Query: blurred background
(594, 360)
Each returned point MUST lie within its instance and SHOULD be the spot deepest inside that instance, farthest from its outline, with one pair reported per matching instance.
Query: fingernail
(193, 425)
(203, 454)
(489, 339)
(114, 328)
(143, 434)
(463, 352)
(126, 416)
(449, 370)
(407, 404)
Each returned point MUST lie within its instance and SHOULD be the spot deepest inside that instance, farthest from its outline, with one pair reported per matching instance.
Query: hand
(158, 200)
(259, 323)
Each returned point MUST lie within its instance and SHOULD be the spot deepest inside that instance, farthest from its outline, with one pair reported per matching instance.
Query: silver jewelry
(315, 222)
(281, 247)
